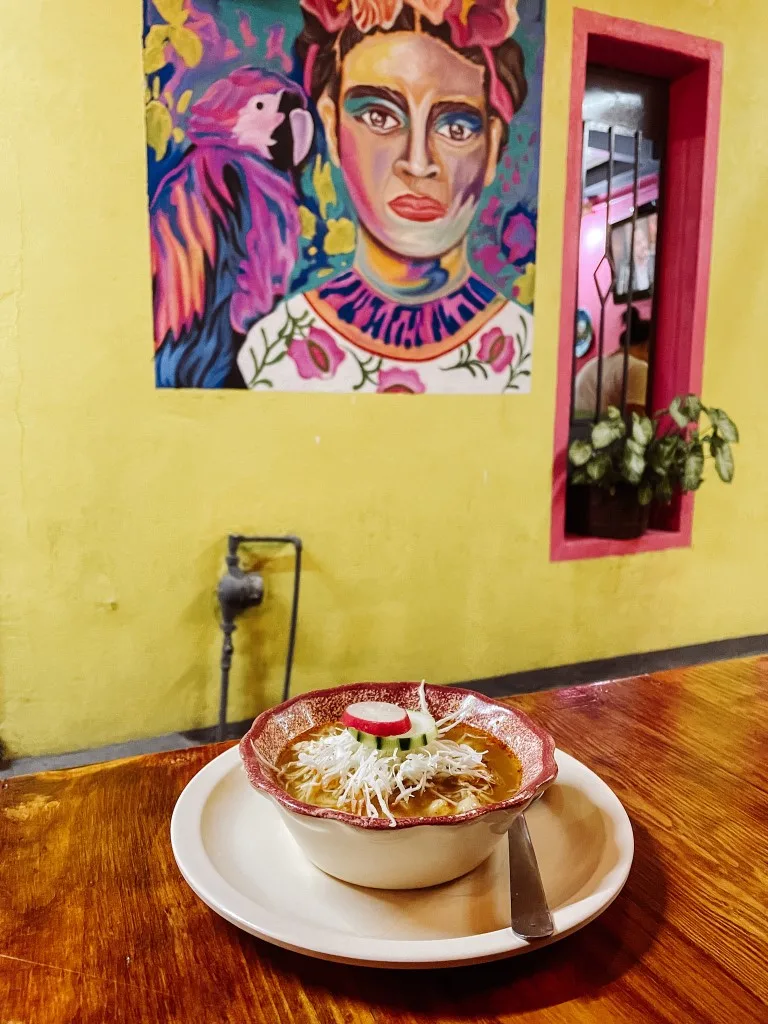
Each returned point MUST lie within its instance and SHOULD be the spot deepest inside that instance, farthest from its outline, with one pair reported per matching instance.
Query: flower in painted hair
(317, 355)
(481, 22)
(400, 382)
(333, 15)
(497, 349)
(434, 10)
(368, 14)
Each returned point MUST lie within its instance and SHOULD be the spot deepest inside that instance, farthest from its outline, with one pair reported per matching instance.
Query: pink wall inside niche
(591, 249)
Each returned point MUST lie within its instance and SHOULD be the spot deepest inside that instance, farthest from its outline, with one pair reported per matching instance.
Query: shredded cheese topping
(337, 770)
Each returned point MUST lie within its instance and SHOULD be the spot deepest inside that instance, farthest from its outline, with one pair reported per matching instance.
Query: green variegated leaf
(724, 462)
(605, 432)
(580, 452)
(691, 407)
(664, 490)
(693, 469)
(675, 411)
(632, 467)
(598, 467)
(642, 429)
(724, 425)
(645, 494)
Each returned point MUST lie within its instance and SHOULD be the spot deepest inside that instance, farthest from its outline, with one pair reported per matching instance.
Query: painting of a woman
(344, 200)
(416, 111)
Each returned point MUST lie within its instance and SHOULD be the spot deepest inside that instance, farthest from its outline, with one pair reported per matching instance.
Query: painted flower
(434, 10)
(368, 14)
(400, 382)
(317, 355)
(333, 15)
(518, 237)
(497, 349)
(481, 22)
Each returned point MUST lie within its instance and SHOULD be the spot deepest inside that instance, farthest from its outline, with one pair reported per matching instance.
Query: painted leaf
(187, 45)
(322, 182)
(184, 99)
(154, 49)
(154, 60)
(172, 10)
(159, 128)
(308, 222)
(340, 237)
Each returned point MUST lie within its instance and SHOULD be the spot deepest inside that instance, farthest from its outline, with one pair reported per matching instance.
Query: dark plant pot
(594, 512)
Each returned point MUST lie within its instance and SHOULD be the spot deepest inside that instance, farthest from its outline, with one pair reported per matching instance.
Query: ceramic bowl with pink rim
(412, 853)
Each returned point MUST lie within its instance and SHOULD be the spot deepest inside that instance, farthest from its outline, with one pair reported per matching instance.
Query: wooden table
(96, 924)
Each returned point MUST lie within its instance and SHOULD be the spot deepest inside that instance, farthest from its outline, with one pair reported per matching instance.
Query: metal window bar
(584, 149)
(607, 258)
(631, 283)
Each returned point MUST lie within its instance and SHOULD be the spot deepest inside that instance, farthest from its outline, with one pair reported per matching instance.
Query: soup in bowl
(397, 785)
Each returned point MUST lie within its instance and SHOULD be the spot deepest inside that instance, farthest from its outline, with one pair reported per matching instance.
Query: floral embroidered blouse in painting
(343, 336)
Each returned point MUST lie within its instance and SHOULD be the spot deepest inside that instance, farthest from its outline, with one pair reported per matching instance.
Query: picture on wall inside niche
(644, 249)
(343, 193)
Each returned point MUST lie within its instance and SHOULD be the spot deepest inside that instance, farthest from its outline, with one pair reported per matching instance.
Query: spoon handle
(531, 918)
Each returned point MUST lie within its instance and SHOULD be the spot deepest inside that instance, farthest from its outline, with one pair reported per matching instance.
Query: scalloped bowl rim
(259, 779)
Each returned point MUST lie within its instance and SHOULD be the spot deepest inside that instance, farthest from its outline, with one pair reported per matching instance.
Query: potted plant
(626, 464)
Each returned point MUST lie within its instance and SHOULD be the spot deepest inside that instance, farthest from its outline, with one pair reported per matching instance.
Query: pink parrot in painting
(225, 226)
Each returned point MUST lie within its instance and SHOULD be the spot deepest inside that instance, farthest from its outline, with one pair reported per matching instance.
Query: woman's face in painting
(414, 140)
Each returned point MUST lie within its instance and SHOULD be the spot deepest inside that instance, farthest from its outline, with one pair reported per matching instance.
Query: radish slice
(377, 718)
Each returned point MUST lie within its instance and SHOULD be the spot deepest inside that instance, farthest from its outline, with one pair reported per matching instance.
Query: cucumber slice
(423, 731)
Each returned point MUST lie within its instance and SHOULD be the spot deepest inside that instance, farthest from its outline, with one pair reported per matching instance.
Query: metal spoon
(531, 918)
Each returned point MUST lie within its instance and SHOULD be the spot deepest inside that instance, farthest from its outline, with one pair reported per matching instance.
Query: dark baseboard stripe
(620, 668)
(576, 675)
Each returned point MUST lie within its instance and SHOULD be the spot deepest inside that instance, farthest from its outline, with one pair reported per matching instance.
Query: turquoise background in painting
(242, 32)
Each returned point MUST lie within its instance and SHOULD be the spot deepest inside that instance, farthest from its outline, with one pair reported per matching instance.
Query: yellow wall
(426, 521)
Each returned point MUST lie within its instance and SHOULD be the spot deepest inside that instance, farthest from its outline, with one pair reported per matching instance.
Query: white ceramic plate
(234, 851)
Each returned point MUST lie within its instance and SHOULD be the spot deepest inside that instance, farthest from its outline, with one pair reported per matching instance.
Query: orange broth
(504, 767)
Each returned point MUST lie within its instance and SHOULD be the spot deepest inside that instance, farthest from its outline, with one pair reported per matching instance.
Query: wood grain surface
(96, 924)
